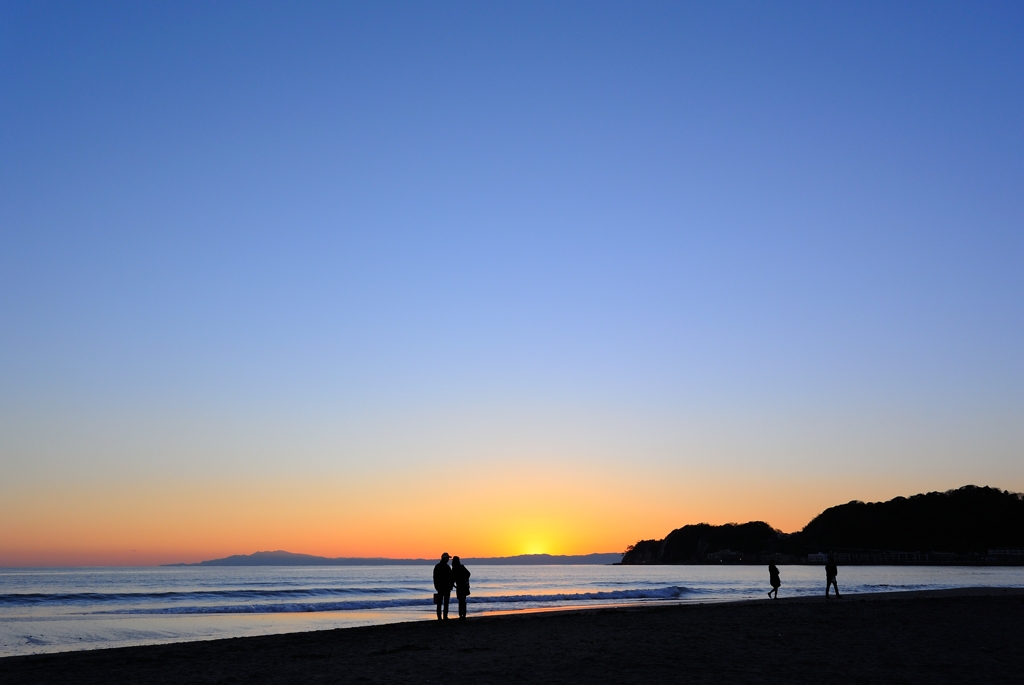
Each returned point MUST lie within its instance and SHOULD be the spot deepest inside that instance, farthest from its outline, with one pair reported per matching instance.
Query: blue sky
(587, 224)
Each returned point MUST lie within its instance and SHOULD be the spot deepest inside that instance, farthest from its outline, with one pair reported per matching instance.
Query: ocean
(62, 609)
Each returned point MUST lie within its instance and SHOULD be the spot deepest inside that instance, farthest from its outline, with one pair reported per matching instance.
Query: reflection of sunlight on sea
(46, 610)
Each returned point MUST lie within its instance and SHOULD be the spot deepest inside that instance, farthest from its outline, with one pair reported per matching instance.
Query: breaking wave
(520, 601)
(197, 595)
(210, 604)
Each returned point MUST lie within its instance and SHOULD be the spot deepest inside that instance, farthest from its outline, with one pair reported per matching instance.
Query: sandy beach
(970, 635)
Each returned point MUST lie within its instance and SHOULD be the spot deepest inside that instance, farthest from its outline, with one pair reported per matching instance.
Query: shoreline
(955, 635)
(273, 602)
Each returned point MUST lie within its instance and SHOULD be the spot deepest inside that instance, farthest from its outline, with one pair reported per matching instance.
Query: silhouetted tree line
(968, 521)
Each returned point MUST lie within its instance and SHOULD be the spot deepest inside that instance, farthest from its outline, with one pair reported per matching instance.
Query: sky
(391, 279)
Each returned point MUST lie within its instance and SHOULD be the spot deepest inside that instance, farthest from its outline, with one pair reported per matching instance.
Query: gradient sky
(387, 279)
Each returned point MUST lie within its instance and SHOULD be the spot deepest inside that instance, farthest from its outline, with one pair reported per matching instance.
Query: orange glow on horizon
(534, 510)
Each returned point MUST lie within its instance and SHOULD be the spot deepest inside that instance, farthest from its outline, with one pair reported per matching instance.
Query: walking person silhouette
(830, 575)
(773, 578)
(461, 576)
(443, 582)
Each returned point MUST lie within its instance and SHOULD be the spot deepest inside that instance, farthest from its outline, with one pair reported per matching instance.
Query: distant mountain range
(968, 525)
(282, 558)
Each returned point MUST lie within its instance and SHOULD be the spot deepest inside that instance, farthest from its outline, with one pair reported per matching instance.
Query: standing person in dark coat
(773, 578)
(443, 582)
(830, 575)
(461, 575)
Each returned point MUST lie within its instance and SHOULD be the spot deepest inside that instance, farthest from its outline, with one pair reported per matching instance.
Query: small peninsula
(969, 525)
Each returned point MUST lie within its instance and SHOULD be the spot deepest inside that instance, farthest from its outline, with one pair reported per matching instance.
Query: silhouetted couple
(447, 577)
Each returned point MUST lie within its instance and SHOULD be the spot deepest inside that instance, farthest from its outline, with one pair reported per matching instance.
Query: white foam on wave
(663, 593)
(57, 598)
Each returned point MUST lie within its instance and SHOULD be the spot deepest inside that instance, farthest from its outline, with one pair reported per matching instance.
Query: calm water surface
(53, 610)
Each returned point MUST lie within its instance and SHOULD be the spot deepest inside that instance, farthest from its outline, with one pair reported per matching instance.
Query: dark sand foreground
(930, 637)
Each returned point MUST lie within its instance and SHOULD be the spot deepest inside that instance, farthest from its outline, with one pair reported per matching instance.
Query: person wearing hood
(461, 576)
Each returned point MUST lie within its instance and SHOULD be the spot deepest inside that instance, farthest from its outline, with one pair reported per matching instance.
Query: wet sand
(957, 636)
